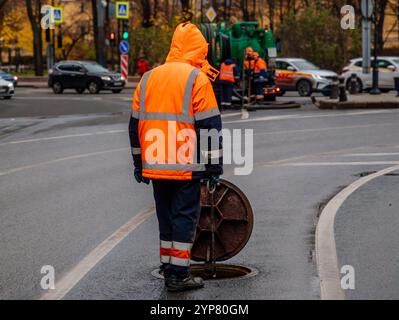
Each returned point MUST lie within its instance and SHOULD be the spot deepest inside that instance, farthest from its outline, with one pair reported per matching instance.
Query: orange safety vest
(167, 102)
(227, 72)
(260, 64)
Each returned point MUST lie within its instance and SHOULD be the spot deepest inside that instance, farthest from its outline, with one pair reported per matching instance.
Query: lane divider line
(327, 129)
(79, 156)
(326, 164)
(63, 137)
(71, 278)
(381, 154)
(313, 115)
(86, 134)
(326, 251)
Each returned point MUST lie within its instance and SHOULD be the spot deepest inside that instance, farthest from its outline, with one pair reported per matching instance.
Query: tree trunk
(37, 37)
(95, 27)
(2, 3)
(146, 7)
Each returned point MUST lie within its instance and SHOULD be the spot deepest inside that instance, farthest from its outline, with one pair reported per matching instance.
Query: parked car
(9, 77)
(82, 75)
(388, 68)
(6, 89)
(303, 76)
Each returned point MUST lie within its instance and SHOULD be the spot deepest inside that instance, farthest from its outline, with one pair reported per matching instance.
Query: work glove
(138, 175)
(213, 181)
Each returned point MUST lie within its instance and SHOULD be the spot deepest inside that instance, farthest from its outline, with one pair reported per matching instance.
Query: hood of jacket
(188, 45)
(229, 61)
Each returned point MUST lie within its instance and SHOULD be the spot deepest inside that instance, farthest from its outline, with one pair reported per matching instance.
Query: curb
(358, 105)
(274, 106)
(326, 251)
(38, 85)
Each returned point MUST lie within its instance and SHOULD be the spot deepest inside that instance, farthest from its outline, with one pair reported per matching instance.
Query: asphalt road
(66, 185)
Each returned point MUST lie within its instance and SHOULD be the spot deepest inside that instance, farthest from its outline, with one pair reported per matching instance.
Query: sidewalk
(363, 101)
(366, 233)
(41, 82)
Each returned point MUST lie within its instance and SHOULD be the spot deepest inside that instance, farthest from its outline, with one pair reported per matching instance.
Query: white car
(6, 89)
(303, 76)
(388, 68)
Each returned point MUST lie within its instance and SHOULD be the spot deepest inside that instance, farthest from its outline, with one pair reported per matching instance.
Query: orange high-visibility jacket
(171, 103)
(260, 65)
(248, 64)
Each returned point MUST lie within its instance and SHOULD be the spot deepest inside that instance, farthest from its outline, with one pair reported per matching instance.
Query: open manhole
(224, 228)
(221, 272)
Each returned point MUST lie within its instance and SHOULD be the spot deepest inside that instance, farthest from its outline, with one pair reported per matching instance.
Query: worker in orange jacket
(248, 60)
(173, 107)
(227, 78)
(260, 75)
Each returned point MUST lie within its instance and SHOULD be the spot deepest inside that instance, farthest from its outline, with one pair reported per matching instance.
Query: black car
(82, 75)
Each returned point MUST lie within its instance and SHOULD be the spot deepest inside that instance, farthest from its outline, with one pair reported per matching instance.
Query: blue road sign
(122, 9)
(57, 15)
(124, 47)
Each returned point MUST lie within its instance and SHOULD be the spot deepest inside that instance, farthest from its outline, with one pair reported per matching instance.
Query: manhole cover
(233, 223)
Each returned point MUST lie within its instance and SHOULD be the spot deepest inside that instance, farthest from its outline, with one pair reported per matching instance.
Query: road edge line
(326, 251)
(83, 267)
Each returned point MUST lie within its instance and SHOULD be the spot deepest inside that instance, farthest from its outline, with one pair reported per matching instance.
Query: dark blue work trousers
(178, 210)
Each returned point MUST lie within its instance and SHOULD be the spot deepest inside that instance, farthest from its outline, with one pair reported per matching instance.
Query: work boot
(176, 284)
(162, 268)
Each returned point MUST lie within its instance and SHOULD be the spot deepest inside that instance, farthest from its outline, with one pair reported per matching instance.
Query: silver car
(303, 76)
(388, 68)
(6, 89)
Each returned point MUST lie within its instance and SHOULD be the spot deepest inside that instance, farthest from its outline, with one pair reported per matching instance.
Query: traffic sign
(122, 9)
(211, 14)
(58, 15)
(124, 47)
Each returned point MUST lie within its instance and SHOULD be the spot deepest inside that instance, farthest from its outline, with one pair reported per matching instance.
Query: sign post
(367, 13)
(125, 66)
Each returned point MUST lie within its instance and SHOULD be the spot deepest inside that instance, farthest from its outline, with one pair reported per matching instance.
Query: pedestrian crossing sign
(122, 9)
(58, 15)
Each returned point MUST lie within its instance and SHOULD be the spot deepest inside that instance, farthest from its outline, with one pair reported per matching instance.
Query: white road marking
(326, 251)
(244, 114)
(64, 137)
(327, 129)
(83, 134)
(61, 98)
(232, 114)
(314, 115)
(370, 154)
(328, 164)
(79, 156)
(71, 278)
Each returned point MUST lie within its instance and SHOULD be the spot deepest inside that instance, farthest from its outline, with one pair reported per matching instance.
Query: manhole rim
(252, 272)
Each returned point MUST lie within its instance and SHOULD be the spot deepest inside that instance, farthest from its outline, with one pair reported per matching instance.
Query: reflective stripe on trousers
(176, 253)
